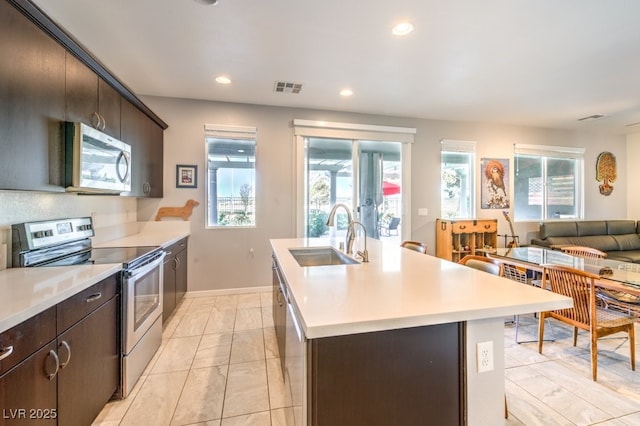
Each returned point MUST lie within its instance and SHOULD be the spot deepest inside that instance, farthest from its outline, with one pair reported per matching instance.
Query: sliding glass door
(365, 176)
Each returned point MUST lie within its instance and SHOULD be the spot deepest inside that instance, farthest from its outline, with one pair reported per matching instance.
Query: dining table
(613, 275)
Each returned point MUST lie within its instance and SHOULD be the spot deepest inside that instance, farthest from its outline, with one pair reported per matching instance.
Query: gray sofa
(620, 239)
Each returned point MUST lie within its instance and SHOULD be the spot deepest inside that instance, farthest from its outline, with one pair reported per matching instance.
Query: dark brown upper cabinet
(31, 104)
(146, 140)
(89, 99)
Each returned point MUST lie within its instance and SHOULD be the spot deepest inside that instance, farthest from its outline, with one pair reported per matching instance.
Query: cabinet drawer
(82, 304)
(26, 338)
(486, 226)
(462, 227)
(176, 248)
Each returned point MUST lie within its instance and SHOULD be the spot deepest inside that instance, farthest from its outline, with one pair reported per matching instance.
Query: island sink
(321, 256)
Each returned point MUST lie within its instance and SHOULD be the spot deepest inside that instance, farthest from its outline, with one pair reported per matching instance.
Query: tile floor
(218, 365)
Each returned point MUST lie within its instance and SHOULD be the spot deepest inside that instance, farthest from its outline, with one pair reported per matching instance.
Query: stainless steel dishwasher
(295, 367)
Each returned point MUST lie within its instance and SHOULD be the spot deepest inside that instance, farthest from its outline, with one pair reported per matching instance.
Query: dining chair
(414, 245)
(483, 263)
(585, 314)
(585, 252)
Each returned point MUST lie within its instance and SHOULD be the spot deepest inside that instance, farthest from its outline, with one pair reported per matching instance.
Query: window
(548, 182)
(457, 188)
(231, 175)
(365, 167)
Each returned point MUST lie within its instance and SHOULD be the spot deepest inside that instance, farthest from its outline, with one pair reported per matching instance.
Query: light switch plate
(423, 212)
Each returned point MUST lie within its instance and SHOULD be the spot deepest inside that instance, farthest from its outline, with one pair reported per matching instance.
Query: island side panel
(389, 377)
(486, 390)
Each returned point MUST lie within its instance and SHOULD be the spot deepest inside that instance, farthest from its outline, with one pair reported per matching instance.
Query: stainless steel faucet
(363, 254)
(350, 234)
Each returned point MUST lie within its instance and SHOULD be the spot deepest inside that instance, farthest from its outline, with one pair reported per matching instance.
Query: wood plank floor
(218, 365)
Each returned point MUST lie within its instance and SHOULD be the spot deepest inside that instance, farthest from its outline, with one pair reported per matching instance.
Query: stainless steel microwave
(94, 161)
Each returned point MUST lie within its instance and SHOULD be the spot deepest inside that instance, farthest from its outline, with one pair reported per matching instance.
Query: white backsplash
(112, 215)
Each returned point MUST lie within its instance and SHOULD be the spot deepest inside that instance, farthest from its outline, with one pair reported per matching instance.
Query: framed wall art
(186, 176)
(495, 183)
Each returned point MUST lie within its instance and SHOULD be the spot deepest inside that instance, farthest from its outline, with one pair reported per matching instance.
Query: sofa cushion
(592, 227)
(627, 241)
(625, 256)
(558, 229)
(600, 242)
(621, 227)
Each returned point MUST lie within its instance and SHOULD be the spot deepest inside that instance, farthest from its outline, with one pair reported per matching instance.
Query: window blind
(225, 131)
(452, 145)
(549, 151)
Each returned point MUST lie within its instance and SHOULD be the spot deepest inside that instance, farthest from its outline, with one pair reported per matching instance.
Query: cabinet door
(27, 395)
(81, 92)
(145, 138)
(168, 286)
(90, 365)
(109, 108)
(181, 273)
(32, 105)
(89, 99)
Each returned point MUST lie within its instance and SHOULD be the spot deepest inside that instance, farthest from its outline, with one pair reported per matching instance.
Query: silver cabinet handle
(93, 297)
(67, 349)
(104, 123)
(278, 294)
(54, 355)
(5, 352)
(95, 124)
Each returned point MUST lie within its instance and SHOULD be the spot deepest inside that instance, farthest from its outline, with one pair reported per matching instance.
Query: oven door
(142, 298)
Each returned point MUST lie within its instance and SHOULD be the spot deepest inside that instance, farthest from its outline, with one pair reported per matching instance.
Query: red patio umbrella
(389, 188)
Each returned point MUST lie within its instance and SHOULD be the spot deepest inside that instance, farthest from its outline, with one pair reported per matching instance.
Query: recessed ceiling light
(346, 92)
(223, 79)
(402, 29)
(207, 2)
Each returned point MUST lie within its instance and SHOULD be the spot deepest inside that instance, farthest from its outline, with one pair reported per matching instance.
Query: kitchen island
(394, 340)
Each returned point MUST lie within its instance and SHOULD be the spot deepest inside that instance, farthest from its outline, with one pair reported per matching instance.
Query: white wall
(238, 258)
(632, 176)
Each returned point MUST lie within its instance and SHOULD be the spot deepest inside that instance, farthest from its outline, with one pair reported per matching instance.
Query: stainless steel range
(67, 242)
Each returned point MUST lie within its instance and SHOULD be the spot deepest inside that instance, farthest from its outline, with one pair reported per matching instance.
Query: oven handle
(136, 272)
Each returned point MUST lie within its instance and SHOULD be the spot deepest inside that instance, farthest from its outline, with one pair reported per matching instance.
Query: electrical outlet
(484, 354)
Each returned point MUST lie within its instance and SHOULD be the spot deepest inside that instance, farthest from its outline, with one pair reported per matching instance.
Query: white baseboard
(227, 291)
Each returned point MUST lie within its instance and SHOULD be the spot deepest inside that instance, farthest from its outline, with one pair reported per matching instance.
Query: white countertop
(25, 292)
(151, 234)
(399, 288)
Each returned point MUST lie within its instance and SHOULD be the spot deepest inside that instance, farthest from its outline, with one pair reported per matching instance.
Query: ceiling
(543, 63)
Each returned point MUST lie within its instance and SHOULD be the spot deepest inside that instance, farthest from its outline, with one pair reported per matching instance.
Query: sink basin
(321, 256)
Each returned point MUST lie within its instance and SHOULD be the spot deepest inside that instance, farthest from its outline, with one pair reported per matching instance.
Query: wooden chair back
(415, 246)
(585, 252)
(483, 263)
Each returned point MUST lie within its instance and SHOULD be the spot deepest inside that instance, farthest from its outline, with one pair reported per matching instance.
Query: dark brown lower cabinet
(27, 395)
(175, 277)
(64, 377)
(90, 378)
(411, 376)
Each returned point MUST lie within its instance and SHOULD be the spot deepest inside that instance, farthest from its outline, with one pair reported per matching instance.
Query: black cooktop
(99, 256)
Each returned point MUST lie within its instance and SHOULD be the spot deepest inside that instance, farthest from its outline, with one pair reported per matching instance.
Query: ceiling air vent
(287, 87)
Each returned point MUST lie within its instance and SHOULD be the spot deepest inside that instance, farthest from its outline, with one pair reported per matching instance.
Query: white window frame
(224, 131)
(464, 147)
(351, 131)
(544, 152)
